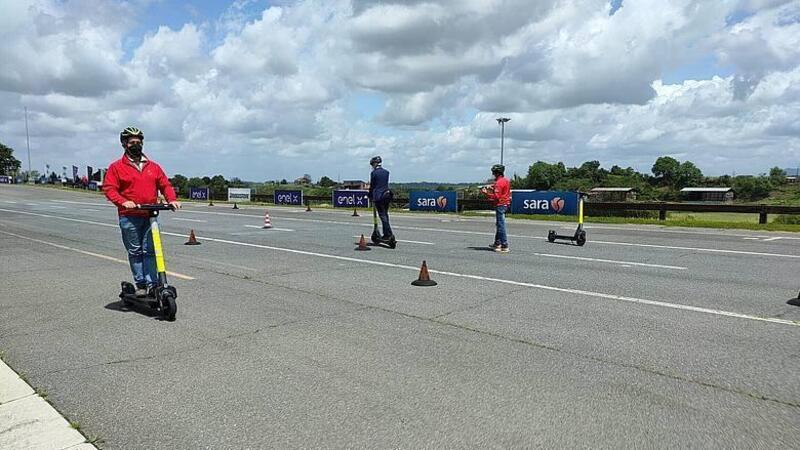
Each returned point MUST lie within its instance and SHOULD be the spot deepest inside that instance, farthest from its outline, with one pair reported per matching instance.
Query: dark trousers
(383, 212)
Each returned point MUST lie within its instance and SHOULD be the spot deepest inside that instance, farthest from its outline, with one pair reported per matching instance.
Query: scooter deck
(384, 242)
(148, 301)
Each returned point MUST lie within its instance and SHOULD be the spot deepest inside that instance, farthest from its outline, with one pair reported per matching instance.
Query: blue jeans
(138, 242)
(500, 237)
(382, 207)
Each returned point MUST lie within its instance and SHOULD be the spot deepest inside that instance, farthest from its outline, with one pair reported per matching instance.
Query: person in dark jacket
(381, 195)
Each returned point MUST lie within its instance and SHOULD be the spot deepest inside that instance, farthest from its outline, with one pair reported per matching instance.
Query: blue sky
(265, 90)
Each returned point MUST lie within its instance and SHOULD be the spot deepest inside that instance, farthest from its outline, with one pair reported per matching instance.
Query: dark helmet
(498, 168)
(130, 132)
(375, 160)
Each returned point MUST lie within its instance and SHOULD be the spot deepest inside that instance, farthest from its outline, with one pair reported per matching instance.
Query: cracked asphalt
(646, 337)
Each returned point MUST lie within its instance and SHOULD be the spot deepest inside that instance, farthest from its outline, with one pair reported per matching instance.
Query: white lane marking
(752, 238)
(90, 209)
(407, 241)
(70, 219)
(57, 207)
(9, 201)
(611, 261)
(32, 204)
(773, 238)
(273, 228)
(188, 220)
(84, 252)
(511, 282)
(700, 249)
(453, 274)
(85, 203)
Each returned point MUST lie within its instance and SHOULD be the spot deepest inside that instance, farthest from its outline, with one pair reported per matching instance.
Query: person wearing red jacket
(131, 181)
(500, 196)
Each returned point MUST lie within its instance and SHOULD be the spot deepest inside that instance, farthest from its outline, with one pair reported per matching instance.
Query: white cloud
(272, 95)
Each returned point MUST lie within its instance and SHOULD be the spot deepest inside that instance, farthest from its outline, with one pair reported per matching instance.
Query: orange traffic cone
(235, 206)
(362, 245)
(267, 221)
(192, 239)
(355, 213)
(424, 278)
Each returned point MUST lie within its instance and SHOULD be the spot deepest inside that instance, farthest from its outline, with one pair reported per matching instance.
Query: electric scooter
(376, 236)
(162, 297)
(580, 235)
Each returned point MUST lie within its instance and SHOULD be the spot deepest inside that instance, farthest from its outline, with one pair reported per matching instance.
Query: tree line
(668, 176)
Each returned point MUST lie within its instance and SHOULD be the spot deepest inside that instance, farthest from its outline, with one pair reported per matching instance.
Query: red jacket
(501, 196)
(125, 182)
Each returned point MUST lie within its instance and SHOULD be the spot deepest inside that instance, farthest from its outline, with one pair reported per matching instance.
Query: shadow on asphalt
(372, 244)
(143, 310)
(485, 248)
(564, 242)
(794, 301)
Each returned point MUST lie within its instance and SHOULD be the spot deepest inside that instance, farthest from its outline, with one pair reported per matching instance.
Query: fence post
(662, 213)
(762, 216)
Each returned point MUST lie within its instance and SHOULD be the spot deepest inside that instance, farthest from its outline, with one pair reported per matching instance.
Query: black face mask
(135, 150)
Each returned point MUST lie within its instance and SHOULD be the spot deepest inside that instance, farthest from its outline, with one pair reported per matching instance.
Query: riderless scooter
(162, 297)
(580, 235)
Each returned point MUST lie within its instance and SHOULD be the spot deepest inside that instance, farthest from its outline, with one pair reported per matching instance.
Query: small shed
(613, 194)
(707, 194)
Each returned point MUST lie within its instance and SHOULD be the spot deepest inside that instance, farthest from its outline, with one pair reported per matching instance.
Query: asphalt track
(645, 337)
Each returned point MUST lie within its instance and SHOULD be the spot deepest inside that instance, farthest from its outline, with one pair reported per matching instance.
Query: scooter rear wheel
(581, 238)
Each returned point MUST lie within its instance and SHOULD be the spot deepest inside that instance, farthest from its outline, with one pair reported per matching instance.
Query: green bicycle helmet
(130, 132)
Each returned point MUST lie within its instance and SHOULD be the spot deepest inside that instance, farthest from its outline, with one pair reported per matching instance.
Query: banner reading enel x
(283, 197)
(350, 199)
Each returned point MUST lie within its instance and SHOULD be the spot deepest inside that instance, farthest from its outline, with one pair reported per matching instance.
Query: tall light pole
(502, 122)
(28, 142)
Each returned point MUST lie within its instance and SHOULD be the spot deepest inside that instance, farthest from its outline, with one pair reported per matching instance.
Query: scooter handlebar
(156, 207)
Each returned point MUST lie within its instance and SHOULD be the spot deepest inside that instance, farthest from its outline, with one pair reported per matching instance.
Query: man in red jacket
(500, 195)
(131, 181)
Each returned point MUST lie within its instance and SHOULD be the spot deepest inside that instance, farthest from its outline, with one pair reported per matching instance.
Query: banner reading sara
(544, 202)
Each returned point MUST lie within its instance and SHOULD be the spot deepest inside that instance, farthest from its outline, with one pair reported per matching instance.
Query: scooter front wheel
(169, 307)
(581, 238)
